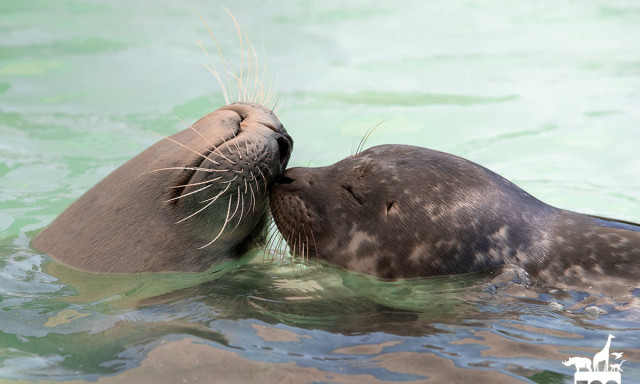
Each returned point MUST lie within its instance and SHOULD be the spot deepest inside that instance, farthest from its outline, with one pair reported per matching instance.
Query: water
(544, 93)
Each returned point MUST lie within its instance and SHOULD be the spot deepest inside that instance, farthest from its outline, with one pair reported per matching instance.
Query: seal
(399, 211)
(195, 198)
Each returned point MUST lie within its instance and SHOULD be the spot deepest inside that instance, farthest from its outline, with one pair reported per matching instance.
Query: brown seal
(186, 202)
(399, 211)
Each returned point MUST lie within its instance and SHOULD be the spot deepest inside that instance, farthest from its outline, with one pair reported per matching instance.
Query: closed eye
(349, 190)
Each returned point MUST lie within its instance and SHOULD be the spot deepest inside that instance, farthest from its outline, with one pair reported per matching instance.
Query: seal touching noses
(195, 198)
(399, 211)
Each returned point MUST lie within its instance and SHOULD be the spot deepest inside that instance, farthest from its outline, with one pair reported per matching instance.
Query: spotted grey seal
(399, 211)
(194, 198)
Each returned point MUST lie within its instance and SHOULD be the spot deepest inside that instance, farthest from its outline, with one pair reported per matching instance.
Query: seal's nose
(285, 146)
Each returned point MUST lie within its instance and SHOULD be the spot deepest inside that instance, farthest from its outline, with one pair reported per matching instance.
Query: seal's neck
(585, 247)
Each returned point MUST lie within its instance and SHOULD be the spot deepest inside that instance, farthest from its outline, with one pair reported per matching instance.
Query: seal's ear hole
(390, 205)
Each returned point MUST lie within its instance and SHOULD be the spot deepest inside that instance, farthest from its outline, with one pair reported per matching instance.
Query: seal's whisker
(276, 106)
(245, 186)
(236, 210)
(185, 147)
(253, 199)
(215, 74)
(253, 178)
(246, 148)
(366, 164)
(241, 205)
(313, 237)
(190, 193)
(215, 147)
(235, 141)
(234, 213)
(200, 183)
(364, 139)
(277, 246)
(208, 170)
(271, 233)
(273, 229)
(238, 82)
(264, 178)
(241, 90)
(268, 166)
(282, 246)
(257, 80)
(262, 76)
(226, 220)
(250, 70)
(206, 206)
(305, 255)
(293, 247)
(230, 181)
(216, 196)
(212, 68)
(224, 61)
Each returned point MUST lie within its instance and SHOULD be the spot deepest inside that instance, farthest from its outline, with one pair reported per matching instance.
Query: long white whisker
(253, 199)
(185, 146)
(224, 141)
(200, 183)
(212, 69)
(222, 58)
(198, 132)
(236, 210)
(226, 220)
(241, 205)
(206, 206)
(235, 22)
(208, 170)
(190, 193)
(254, 178)
(234, 141)
(230, 181)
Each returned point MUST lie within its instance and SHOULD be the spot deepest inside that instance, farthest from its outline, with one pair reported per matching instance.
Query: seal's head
(403, 211)
(194, 198)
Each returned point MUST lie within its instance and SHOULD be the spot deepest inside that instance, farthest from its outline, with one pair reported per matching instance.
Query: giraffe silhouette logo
(599, 369)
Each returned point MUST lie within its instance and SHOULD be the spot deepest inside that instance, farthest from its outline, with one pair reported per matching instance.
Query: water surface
(545, 93)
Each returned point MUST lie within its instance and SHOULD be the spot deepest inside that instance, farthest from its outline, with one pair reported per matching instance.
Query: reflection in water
(306, 323)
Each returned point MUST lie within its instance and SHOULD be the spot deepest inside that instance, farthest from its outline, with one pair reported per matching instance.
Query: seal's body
(197, 197)
(398, 211)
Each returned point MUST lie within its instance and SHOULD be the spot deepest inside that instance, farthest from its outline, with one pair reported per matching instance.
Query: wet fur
(186, 202)
(398, 211)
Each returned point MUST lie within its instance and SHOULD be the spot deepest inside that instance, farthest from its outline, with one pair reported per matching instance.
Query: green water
(545, 93)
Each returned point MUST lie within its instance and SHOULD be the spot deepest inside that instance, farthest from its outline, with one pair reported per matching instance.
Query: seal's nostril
(285, 144)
